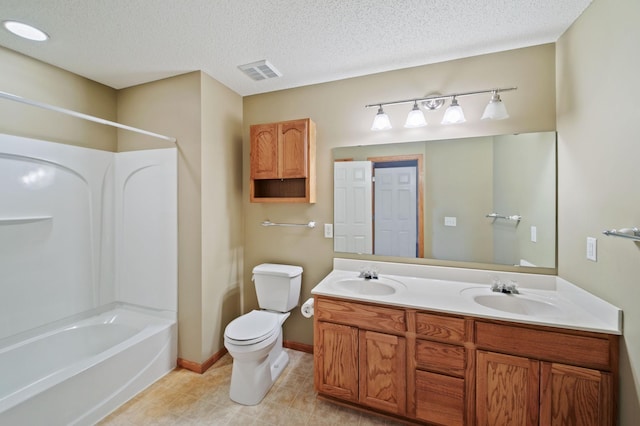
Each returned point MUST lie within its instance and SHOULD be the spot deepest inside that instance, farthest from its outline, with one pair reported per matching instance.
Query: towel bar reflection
(306, 225)
(631, 233)
(514, 217)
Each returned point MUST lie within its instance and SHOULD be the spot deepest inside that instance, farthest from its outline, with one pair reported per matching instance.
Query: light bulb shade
(495, 109)
(381, 121)
(415, 118)
(453, 114)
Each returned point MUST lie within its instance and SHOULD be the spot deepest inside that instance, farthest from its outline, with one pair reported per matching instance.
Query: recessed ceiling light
(25, 31)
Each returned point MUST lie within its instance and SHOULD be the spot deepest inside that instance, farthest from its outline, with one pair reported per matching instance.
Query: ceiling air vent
(260, 70)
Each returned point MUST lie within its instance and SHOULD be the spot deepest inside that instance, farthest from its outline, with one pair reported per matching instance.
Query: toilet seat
(252, 328)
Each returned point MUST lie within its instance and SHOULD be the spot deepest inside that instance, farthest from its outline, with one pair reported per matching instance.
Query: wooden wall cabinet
(283, 162)
(442, 369)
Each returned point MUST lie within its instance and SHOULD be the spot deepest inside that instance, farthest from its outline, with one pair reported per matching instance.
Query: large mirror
(485, 200)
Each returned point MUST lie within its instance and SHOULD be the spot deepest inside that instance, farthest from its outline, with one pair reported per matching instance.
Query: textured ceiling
(122, 43)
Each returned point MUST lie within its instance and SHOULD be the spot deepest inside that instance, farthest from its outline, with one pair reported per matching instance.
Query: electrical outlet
(592, 249)
(328, 230)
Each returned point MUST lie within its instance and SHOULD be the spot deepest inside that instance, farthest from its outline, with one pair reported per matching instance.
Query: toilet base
(251, 379)
(278, 366)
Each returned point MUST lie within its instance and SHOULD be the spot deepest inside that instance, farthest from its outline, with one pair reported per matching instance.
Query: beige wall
(459, 184)
(205, 117)
(172, 107)
(599, 179)
(338, 110)
(525, 184)
(222, 238)
(32, 79)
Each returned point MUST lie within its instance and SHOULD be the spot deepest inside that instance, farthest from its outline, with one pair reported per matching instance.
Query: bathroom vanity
(437, 345)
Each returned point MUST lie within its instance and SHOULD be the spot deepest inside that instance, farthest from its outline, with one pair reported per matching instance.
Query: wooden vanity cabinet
(581, 394)
(359, 355)
(507, 390)
(283, 162)
(539, 376)
(442, 369)
(442, 393)
(336, 360)
(523, 391)
(382, 371)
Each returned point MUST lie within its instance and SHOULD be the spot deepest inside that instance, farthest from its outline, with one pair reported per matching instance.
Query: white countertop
(452, 290)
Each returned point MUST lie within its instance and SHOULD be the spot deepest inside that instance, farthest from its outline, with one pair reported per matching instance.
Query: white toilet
(254, 340)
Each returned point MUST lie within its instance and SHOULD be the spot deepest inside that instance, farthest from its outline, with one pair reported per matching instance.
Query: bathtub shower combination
(88, 281)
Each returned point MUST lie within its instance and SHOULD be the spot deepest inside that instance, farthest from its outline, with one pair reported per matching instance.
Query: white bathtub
(77, 373)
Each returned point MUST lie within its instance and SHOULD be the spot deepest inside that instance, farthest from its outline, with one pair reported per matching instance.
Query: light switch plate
(592, 249)
(449, 221)
(534, 234)
(328, 230)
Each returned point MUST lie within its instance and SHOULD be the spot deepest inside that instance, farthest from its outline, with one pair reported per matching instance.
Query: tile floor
(183, 397)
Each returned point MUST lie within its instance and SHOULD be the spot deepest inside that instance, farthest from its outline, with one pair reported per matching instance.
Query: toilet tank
(277, 286)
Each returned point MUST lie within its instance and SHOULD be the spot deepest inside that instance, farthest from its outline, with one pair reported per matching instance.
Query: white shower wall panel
(146, 264)
(82, 228)
(51, 221)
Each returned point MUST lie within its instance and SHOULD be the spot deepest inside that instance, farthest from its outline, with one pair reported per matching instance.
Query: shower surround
(88, 256)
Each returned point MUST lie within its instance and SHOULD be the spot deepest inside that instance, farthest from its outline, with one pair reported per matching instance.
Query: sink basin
(373, 287)
(521, 304)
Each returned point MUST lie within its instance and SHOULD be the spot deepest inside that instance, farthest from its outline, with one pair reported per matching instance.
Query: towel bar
(514, 217)
(306, 225)
(631, 233)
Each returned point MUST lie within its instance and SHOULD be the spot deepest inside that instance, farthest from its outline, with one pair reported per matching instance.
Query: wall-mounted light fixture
(415, 117)
(381, 120)
(495, 110)
(454, 114)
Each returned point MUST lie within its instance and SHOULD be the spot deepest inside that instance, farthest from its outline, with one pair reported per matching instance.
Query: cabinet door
(507, 390)
(264, 151)
(293, 149)
(575, 396)
(336, 360)
(383, 372)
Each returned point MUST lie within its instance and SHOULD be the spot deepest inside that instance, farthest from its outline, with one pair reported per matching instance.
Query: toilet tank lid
(277, 269)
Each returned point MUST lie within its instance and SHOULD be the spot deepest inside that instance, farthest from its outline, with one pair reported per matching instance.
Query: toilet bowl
(254, 340)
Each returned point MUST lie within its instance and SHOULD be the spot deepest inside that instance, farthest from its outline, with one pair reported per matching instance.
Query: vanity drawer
(369, 317)
(440, 399)
(440, 327)
(440, 357)
(585, 350)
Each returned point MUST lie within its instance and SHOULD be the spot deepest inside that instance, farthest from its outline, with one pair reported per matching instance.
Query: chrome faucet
(369, 274)
(510, 287)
